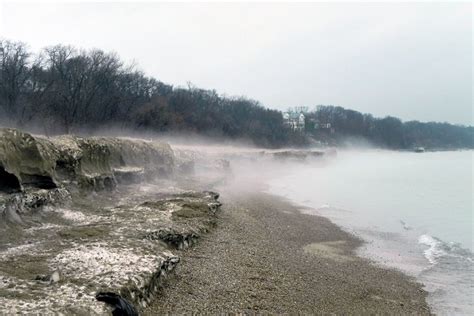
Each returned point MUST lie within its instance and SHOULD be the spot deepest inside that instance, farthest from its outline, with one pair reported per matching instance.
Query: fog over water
(410, 60)
(431, 192)
(415, 211)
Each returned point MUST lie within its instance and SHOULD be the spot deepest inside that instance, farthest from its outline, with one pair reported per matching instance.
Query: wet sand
(264, 256)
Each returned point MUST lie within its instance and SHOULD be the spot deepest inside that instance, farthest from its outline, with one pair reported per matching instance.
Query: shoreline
(405, 226)
(267, 256)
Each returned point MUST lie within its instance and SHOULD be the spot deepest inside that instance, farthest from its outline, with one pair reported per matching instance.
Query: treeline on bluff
(67, 90)
(389, 132)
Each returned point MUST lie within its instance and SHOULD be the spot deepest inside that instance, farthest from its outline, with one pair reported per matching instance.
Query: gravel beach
(265, 256)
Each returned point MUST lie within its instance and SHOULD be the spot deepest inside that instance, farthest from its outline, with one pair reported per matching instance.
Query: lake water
(413, 209)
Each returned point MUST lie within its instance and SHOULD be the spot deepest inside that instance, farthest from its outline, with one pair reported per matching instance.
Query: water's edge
(392, 239)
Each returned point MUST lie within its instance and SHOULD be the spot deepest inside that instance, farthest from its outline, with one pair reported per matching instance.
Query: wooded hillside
(63, 89)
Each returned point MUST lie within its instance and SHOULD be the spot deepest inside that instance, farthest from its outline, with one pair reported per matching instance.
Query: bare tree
(14, 74)
(78, 81)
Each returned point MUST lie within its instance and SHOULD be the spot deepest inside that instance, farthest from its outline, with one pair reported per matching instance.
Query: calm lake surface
(415, 210)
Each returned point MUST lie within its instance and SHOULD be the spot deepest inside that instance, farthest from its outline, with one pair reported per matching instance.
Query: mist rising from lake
(415, 211)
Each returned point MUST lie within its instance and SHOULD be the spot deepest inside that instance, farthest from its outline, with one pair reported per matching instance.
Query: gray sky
(408, 60)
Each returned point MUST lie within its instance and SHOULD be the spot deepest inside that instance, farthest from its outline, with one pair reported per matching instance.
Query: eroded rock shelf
(89, 220)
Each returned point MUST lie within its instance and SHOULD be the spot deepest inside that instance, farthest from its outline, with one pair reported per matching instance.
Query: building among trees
(294, 120)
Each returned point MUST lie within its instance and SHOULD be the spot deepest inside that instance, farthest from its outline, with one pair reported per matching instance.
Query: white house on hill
(294, 120)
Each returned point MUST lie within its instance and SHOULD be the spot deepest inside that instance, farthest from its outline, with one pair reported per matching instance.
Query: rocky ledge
(89, 225)
(96, 163)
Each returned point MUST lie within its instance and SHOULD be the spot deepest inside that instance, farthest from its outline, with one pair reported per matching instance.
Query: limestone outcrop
(96, 162)
(92, 225)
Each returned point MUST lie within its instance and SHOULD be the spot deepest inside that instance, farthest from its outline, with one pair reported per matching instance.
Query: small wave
(438, 249)
(435, 251)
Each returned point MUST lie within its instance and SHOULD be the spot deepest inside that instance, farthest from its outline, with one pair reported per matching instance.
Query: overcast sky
(408, 60)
